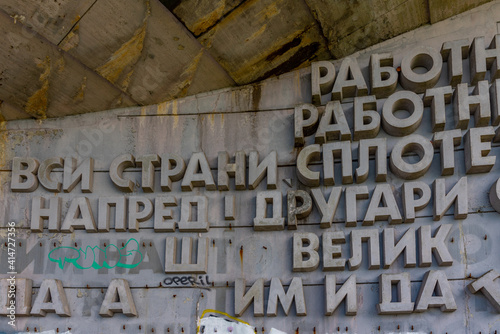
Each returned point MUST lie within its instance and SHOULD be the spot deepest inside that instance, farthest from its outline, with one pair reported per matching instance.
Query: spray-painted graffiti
(95, 257)
(202, 281)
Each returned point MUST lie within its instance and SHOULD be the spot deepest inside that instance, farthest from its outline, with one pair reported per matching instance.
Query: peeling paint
(38, 102)
(127, 55)
(72, 40)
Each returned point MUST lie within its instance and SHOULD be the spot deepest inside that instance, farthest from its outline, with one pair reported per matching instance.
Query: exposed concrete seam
(321, 31)
(76, 23)
(208, 113)
(219, 20)
(376, 19)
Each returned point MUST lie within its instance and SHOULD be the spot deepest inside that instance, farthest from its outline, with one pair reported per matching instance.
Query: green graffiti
(88, 258)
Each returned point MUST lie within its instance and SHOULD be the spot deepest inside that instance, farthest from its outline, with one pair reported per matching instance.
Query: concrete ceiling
(66, 57)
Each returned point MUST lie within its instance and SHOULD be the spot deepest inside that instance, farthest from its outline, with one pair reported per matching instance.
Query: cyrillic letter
(477, 145)
(352, 194)
(478, 104)
(434, 245)
(357, 238)
(333, 124)
(52, 213)
(402, 100)
(383, 76)
(334, 150)
(366, 117)
(388, 211)
(304, 174)
(410, 203)
(446, 141)
(332, 250)
(310, 251)
(164, 218)
(51, 298)
(242, 300)
(322, 78)
(327, 210)
(186, 266)
(148, 163)
(435, 281)
(44, 171)
(84, 173)
(24, 174)
(377, 147)
(135, 214)
(346, 87)
(347, 292)
(295, 292)
(79, 216)
(305, 122)
(192, 178)
(403, 304)
(104, 215)
(421, 56)
(264, 223)
(116, 171)
(419, 145)
(194, 214)
(453, 52)
(482, 58)
(118, 299)
(236, 170)
(437, 98)
(406, 244)
(257, 171)
(489, 289)
(443, 200)
(169, 174)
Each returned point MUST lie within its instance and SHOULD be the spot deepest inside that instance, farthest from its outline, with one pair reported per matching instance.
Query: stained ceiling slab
(62, 57)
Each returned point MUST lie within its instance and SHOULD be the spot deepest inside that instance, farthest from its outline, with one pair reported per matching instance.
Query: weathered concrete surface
(199, 17)
(254, 117)
(442, 9)
(142, 49)
(51, 19)
(155, 304)
(241, 252)
(44, 82)
(350, 27)
(267, 38)
(129, 47)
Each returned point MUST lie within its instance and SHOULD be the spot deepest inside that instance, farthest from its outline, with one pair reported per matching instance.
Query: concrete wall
(259, 118)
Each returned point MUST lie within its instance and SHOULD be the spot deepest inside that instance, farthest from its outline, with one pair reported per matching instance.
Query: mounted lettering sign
(367, 200)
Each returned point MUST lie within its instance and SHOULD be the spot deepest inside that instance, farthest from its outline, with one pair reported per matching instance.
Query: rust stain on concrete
(60, 64)
(161, 109)
(126, 81)
(256, 34)
(72, 40)
(188, 74)
(38, 102)
(127, 55)
(207, 21)
(80, 95)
